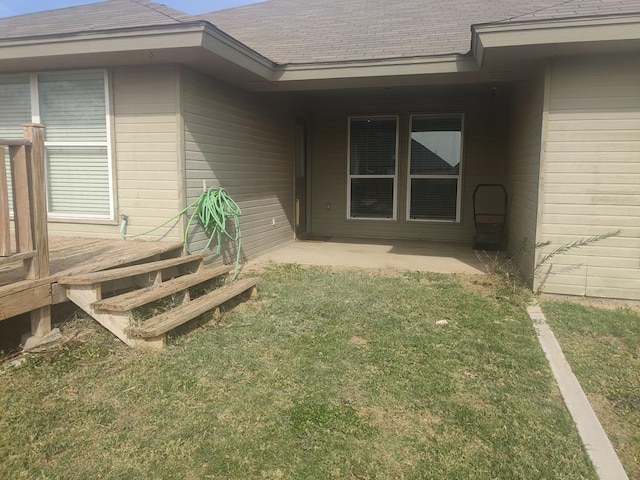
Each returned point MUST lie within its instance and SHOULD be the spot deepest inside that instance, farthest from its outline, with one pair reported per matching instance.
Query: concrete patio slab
(408, 255)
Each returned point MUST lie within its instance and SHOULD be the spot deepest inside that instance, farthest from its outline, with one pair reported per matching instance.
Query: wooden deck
(68, 257)
(106, 278)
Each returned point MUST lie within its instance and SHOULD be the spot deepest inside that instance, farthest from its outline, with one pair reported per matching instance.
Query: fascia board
(554, 32)
(376, 68)
(102, 42)
(171, 37)
(225, 46)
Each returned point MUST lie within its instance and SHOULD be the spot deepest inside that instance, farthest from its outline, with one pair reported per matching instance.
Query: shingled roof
(109, 15)
(318, 31)
(300, 31)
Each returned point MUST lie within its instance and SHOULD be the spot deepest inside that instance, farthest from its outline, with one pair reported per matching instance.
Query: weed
(506, 273)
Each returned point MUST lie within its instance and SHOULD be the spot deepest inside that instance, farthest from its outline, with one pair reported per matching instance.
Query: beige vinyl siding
(144, 106)
(484, 156)
(524, 170)
(244, 143)
(592, 175)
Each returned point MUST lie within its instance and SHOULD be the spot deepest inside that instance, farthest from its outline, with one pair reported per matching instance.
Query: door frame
(302, 120)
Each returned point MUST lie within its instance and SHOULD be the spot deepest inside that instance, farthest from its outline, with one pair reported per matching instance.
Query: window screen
(15, 110)
(372, 167)
(434, 173)
(73, 108)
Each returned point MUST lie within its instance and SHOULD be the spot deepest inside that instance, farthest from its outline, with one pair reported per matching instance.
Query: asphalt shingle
(112, 14)
(304, 31)
(300, 31)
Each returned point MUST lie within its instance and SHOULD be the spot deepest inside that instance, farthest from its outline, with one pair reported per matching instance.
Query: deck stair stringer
(117, 323)
(96, 293)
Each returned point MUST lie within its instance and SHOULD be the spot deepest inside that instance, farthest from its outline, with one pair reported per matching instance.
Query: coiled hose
(213, 209)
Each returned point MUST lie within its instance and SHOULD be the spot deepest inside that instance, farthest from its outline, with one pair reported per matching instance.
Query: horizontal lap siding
(145, 139)
(485, 153)
(524, 169)
(243, 142)
(592, 175)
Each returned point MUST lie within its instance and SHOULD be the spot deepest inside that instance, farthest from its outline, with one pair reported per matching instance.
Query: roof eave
(554, 32)
(153, 44)
(455, 63)
(205, 46)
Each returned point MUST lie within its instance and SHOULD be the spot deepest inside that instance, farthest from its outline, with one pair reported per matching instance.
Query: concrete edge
(595, 440)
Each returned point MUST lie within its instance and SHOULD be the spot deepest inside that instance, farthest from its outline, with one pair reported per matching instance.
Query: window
(74, 109)
(15, 110)
(434, 168)
(373, 143)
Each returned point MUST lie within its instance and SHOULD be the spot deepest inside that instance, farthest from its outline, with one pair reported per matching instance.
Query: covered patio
(379, 254)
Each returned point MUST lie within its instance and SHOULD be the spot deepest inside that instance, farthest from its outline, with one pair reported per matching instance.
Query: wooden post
(38, 199)
(5, 225)
(39, 266)
(21, 204)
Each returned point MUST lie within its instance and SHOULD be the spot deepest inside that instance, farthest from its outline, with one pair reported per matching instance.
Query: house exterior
(344, 118)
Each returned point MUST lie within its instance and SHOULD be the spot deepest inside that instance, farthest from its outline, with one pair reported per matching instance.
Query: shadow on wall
(244, 143)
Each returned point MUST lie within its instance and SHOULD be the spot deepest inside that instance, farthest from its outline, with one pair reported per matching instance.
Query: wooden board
(137, 298)
(17, 287)
(24, 301)
(72, 255)
(17, 257)
(69, 256)
(21, 201)
(175, 317)
(5, 233)
(13, 142)
(38, 267)
(124, 253)
(117, 273)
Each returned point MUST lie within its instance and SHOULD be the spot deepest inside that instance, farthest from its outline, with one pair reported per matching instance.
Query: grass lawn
(329, 374)
(603, 348)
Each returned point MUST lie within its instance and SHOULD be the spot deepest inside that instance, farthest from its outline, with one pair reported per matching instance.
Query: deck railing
(27, 241)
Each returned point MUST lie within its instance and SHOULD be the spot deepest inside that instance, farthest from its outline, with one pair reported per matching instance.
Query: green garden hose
(213, 209)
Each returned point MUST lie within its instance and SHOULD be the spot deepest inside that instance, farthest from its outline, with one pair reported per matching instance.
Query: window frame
(411, 176)
(107, 144)
(29, 80)
(396, 118)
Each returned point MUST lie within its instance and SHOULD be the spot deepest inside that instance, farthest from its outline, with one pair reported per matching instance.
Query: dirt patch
(357, 341)
(400, 420)
(482, 284)
(254, 268)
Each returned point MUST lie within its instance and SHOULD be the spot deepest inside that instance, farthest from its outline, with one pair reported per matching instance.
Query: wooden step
(124, 272)
(161, 324)
(127, 254)
(137, 298)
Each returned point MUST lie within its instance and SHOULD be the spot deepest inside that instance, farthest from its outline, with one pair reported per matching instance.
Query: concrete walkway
(407, 255)
(595, 440)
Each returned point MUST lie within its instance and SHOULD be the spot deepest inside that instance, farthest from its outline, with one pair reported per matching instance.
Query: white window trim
(394, 176)
(110, 165)
(459, 176)
(35, 98)
(30, 77)
(35, 118)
